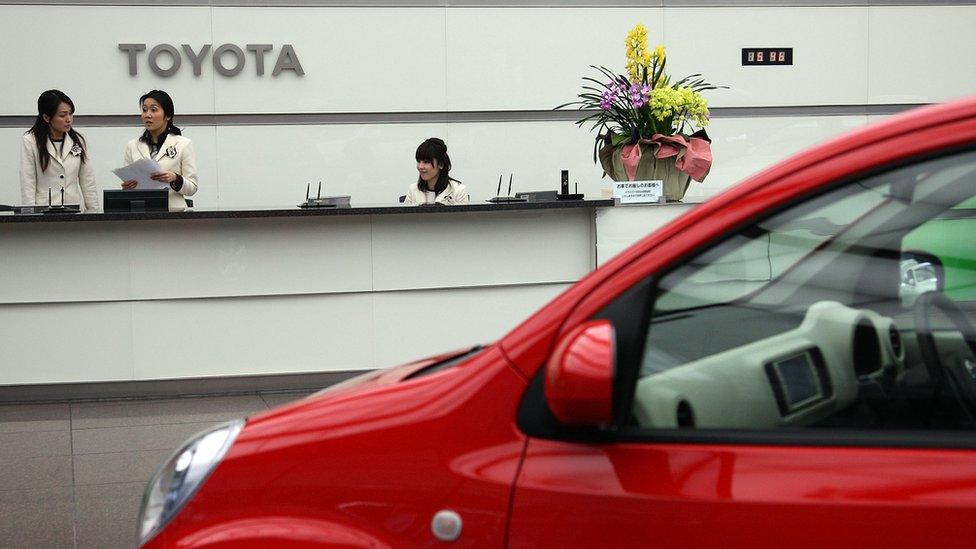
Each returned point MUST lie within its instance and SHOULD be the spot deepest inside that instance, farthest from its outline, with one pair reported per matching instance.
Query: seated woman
(435, 186)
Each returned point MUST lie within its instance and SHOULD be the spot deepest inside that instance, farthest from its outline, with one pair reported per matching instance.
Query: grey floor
(72, 474)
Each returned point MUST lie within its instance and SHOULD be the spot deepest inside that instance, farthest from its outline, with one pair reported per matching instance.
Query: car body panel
(672, 495)
(374, 462)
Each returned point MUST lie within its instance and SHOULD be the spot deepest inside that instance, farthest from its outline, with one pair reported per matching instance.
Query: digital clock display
(767, 56)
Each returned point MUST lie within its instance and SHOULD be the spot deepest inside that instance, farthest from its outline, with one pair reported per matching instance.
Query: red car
(746, 376)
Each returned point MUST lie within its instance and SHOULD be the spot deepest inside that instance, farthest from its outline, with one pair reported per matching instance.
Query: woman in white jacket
(163, 142)
(54, 156)
(435, 185)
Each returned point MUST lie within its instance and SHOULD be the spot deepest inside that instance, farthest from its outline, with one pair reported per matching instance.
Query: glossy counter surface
(294, 211)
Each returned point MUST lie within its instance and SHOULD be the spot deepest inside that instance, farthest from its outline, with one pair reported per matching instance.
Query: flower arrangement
(644, 109)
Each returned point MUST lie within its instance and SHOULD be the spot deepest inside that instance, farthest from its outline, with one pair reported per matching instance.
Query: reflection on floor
(72, 474)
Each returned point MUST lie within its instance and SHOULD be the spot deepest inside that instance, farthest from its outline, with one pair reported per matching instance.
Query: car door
(774, 389)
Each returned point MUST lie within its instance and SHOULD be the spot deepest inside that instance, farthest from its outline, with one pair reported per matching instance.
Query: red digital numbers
(767, 56)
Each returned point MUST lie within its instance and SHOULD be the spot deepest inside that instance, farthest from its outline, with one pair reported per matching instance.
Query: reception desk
(98, 298)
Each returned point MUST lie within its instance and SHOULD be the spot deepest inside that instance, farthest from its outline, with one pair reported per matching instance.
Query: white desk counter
(90, 298)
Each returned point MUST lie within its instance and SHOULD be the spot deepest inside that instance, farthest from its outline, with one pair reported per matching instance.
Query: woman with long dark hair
(164, 142)
(434, 184)
(54, 157)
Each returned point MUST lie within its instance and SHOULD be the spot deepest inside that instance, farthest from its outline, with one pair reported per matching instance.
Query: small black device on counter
(508, 197)
(324, 201)
(60, 209)
(564, 193)
(538, 196)
(136, 200)
(56, 208)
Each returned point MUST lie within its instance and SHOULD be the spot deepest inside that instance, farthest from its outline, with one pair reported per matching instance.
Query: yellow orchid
(638, 58)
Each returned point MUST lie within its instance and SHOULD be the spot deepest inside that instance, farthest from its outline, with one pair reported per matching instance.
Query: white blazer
(63, 170)
(177, 156)
(455, 193)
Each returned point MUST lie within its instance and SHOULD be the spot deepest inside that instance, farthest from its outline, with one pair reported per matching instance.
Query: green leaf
(618, 139)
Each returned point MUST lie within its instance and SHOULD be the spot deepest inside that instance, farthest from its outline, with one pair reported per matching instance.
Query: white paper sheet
(141, 170)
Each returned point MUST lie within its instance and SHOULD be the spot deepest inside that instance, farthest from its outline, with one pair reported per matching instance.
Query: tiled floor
(72, 474)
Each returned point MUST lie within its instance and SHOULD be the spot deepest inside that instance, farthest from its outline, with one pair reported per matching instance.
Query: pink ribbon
(694, 155)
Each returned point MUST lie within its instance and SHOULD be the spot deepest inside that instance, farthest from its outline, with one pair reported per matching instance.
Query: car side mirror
(579, 375)
(919, 274)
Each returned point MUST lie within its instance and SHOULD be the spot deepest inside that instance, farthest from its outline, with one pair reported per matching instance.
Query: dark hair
(434, 150)
(166, 102)
(47, 105)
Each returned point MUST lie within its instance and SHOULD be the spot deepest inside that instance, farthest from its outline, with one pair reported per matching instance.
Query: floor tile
(277, 399)
(134, 439)
(29, 444)
(118, 467)
(16, 418)
(106, 515)
(95, 415)
(34, 473)
(37, 518)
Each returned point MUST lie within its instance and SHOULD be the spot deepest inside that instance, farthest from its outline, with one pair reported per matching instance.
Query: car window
(801, 321)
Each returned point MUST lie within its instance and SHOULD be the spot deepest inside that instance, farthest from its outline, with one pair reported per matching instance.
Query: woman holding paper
(164, 143)
(54, 157)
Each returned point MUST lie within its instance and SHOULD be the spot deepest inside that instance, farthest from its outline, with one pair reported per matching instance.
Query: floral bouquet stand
(641, 119)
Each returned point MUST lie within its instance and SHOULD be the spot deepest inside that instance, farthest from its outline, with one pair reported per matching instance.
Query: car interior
(823, 316)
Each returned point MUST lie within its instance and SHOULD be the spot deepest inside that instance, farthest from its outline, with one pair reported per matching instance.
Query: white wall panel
(10, 145)
(355, 60)
(63, 262)
(479, 249)
(921, 55)
(232, 257)
(65, 342)
(829, 53)
(533, 58)
(177, 259)
(197, 338)
(270, 165)
(412, 325)
(83, 60)
(620, 227)
(244, 336)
